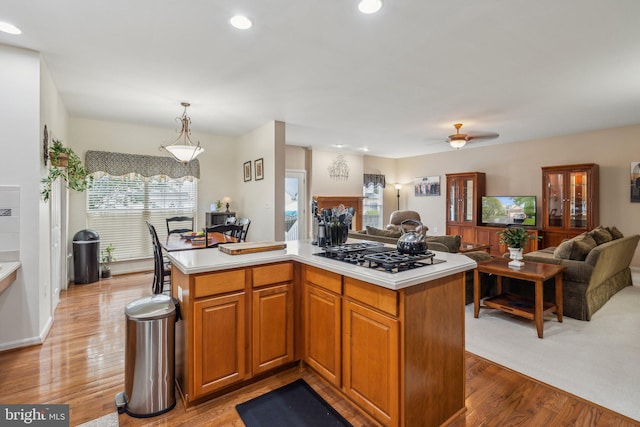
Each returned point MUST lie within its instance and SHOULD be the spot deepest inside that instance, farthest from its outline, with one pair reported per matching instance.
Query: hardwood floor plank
(82, 364)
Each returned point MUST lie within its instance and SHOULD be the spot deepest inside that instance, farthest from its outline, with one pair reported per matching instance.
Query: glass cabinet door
(578, 198)
(556, 198)
(467, 201)
(454, 200)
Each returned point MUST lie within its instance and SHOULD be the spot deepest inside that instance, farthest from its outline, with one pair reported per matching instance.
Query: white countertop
(205, 260)
(7, 268)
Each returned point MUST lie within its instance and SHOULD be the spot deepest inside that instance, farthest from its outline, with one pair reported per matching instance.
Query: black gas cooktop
(377, 256)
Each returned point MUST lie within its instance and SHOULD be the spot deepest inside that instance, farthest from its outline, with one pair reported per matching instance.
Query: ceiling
(394, 82)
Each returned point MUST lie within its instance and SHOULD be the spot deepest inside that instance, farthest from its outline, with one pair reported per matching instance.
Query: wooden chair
(181, 224)
(232, 230)
(161, 269)
(245, 223)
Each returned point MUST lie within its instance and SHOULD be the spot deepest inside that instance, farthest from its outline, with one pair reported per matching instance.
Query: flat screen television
(509, 210)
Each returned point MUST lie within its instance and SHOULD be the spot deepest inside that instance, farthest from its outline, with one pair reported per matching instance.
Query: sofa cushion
(575, 249)
(451, 242)
(372, 231)
(615, 233)
(564, 249)
(601, 235)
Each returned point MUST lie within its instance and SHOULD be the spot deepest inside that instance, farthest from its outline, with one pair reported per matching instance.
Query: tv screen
(509, 210)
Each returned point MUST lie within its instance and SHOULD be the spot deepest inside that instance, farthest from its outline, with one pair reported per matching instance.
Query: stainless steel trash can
(149, 375)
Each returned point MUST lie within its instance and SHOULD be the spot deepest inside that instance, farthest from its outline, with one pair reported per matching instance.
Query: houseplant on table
(515, 239)
(107, 258)
(65, 164)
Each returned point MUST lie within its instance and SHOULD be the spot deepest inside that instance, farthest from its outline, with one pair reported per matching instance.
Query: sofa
(449, 244)
(597, 267)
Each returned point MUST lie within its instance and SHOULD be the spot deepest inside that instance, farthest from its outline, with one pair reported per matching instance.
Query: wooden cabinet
(570, 201)
(272, 327)
(219, 342)
(490, 235)
(371, 362)
(322, 320)
(464, 193)
(217, 218)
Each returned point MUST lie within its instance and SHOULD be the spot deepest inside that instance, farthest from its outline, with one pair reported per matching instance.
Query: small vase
(106, 273)
(516, 258)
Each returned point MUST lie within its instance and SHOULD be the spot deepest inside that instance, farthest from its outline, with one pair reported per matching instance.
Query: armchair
(397, 217)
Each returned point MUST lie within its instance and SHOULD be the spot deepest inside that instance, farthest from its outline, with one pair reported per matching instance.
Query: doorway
(295, 211)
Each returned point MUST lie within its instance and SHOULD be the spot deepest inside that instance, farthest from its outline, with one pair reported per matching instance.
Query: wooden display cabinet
(570, 201)
(464, 193)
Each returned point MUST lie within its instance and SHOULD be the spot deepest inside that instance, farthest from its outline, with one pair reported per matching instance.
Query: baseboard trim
(27, 342)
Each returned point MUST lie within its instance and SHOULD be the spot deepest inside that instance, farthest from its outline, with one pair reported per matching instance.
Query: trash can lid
(86, 235)
(155, 306)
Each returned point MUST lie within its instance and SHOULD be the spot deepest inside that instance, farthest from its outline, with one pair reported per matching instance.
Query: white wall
(515, 169)
(323, 185)
(217, 171)
(20, 318)
(262, 201)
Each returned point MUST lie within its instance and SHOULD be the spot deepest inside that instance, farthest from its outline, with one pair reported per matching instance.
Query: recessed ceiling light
(369, 6)
(241, 22)
(5, 27)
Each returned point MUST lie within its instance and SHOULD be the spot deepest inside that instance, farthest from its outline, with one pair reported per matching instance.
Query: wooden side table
(535, 272)
(470, 247)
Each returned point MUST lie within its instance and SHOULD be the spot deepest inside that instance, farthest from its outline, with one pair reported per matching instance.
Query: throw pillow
(372, 231)
(615, 233)
(601, 235)
(564, 249)
(582, 245)
(451, 242)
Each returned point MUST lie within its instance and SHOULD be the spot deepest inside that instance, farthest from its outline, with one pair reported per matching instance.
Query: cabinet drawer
(375, 296)
(325, 279)
(218, 283)
(270, 274)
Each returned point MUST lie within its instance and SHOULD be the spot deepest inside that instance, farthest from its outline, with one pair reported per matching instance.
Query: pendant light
(182, 149)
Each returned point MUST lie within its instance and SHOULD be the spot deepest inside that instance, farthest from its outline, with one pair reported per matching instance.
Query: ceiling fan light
(458, 143)
(369, 6)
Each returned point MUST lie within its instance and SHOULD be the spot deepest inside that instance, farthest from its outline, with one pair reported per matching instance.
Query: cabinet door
(371, 366)
(322, 332)
(578, 200)
(219, 341)
(554, 200)
(272, 327)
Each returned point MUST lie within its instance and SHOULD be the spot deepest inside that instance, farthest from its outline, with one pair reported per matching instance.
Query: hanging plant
(65, 164)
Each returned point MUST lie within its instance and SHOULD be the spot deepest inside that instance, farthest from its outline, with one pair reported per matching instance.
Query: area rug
(293, 405)
(109, 420)
(597, 360)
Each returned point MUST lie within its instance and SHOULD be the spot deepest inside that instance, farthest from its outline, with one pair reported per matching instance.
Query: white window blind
(118, 206)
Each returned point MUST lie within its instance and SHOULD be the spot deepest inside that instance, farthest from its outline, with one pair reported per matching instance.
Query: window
(117, 207)
(372, 189)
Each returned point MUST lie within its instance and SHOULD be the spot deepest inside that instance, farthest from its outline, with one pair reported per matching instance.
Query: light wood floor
(82, 364)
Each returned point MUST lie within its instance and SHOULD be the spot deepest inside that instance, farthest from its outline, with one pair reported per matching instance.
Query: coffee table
(535, 272)
(470, 247)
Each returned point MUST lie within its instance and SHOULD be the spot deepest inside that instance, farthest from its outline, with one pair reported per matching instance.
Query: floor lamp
(398, 187)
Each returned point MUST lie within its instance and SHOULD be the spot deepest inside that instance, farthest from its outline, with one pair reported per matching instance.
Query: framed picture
(247, 171)
(635, 182)
(259, 170)
(427, 186)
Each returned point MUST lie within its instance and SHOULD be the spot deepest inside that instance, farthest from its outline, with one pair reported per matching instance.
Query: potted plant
(65, 164)
(514, 238)
(107, 258)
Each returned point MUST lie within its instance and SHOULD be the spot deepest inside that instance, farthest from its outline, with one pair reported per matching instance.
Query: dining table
(176, 242)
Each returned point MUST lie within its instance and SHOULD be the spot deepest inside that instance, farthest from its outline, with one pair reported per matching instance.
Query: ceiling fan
(459, 140)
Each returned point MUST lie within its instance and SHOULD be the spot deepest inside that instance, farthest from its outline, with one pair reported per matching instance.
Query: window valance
(119, 164)
(373, 179)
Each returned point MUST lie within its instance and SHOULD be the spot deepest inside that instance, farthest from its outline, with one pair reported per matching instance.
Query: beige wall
(515, 169)
(323, 185)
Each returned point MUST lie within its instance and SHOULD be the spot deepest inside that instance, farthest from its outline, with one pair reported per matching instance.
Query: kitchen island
(392, 343)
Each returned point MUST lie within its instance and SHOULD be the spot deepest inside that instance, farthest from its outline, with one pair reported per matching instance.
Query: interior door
(57, 255)
(295, 212)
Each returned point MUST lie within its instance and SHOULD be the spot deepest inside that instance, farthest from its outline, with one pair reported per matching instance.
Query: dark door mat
(294, 405)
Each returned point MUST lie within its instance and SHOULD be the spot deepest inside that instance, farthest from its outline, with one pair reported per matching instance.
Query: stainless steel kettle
(411, 242)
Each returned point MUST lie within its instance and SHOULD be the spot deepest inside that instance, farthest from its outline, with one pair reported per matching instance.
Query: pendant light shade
(182, 149)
